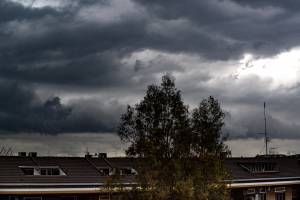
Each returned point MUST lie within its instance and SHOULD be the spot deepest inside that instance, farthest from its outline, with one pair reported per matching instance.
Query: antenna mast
(266, 135)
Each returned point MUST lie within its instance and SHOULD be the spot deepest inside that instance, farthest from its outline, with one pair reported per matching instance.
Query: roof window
(42, 171)
(128, 171)
(104, 171)
(27, 170)
(260, 167)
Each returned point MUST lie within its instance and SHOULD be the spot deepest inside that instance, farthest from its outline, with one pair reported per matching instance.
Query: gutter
(257, 184)
(242, 183)
(264, 179)
(61, 184)
(62, 188)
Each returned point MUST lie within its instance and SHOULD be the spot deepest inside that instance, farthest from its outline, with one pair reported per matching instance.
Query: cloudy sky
(68, 68)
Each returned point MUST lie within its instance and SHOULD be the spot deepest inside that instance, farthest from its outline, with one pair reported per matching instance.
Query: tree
(155, 125)
(174, 149)
(207, 123)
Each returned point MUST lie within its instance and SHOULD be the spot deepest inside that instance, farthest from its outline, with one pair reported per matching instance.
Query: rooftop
(98, 170)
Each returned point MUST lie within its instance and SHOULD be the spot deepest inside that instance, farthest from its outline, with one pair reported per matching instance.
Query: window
(262, 196)
(280, 196)
(280, 189)
(50, 171)
(262, 190)
(295, 193)
(127, 171)
(28, 171)
(14, 198)
(104, 171)
(251, 191)
(263, 167)
(32, 198)
(259, 167)
(42, 171)
(250, 197)
(60, 198)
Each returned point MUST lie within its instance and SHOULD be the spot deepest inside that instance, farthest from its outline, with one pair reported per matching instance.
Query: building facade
(264, 178)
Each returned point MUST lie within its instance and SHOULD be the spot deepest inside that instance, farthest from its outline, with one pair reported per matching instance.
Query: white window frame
(280, 189)
(262, 190)
(250, 191)
(280, 193)
(37, 170)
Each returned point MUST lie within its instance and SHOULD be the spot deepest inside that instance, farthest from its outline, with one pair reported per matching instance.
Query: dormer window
(50, 171)
(42, 171)
(260, 167)
(27, 170)
(128, 171)
(104, 171)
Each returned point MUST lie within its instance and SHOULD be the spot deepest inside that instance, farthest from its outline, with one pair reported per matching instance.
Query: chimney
(102, 155)
(87, 155)
(22, 154)
(32, 154)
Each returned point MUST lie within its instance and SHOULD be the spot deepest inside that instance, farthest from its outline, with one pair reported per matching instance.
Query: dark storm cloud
(57, 48)
(21, 111)
(10, 11)
(92, 70)
(84, 45)
(287, 4)
(266, 28)
(94, 116)
(45, 45)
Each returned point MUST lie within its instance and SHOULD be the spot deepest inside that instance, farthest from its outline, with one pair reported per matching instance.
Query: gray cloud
(23, 112)
(233, 27)
(71, 67)
(11, 11)
(64, 144)
(78, 45)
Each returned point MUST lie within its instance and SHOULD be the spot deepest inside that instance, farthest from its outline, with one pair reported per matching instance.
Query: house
(89, 178)
(273, 177)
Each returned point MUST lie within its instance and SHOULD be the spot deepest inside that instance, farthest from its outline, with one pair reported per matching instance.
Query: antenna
(266, 136)
(266, 133)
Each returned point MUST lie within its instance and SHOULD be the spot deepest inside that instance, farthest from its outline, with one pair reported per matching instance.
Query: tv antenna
(265, 133)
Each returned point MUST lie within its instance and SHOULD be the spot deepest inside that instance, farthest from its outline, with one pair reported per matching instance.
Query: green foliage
(207, 123)
(155, 126)
(180, 155)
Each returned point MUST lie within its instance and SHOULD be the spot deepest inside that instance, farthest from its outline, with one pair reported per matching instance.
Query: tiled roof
(287, 167)
(80, 170)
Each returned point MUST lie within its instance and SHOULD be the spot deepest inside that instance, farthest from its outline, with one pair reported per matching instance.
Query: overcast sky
(68, 68)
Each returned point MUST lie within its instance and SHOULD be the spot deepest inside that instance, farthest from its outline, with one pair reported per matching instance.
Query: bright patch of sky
(42, 3)
(282, 69)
